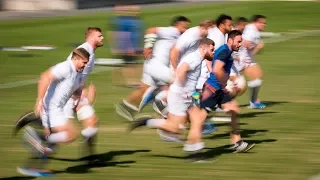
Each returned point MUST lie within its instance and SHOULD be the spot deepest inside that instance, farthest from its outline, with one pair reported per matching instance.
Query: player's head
(207, 46)
(205, 25)
(80, 58)
(234, 40)
(181, 23)
(224, 23)
(259, 21)
(94, 36)
(240, 24)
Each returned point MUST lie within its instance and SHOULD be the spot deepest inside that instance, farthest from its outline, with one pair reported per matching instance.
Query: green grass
(286, 133)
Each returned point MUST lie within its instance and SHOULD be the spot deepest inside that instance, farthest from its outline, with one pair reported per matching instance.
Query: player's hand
(38, 108)
(91, 93)
(147, 53)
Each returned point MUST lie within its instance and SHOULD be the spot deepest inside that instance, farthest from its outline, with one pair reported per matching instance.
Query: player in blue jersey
(214, 93)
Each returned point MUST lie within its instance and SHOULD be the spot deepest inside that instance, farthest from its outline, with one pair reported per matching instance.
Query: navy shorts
(211, 98)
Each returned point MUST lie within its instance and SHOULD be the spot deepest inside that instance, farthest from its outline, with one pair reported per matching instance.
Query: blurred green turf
(286, 132)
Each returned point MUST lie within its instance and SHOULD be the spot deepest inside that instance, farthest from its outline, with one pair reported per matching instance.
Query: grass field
(286, 132)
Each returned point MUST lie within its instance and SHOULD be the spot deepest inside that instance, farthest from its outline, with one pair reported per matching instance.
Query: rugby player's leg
(231, 106)
(254, 74)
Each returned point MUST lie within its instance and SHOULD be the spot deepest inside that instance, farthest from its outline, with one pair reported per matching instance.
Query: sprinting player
(236, 84)
(55, 88)
(252, 44)
(218, 35)
(188, 42)
(181, 91)
(156, 71)
(240, 24)
(125, 41)
(81, 102)
(215, 94)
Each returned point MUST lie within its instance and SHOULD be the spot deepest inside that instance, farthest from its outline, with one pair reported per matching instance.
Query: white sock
(193, 147)
(89, 132)
(161, 96)
(156, 123)
(59, 137)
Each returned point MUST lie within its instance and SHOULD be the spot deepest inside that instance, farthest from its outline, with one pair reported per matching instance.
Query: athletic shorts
(53, 117)
(69, 108)
(178, 103)
(213, 98)
(156, 73)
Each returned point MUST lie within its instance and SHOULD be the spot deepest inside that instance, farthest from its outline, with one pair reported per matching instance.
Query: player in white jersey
(218, 35)
(181, 91)
(83, 105)
(82, 102)
(156, 71)
(236, 84)
(252, 44)
(55, 88)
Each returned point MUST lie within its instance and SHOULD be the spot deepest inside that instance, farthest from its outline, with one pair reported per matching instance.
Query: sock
(90, 138)
(59, 137)
(254, 89)
(155, 123)
(131, 106)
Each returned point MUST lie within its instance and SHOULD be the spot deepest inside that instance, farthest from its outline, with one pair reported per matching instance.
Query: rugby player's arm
(219, 72)
(174, 55)
(181, 73)
(251, 47)
(45, 79)
(150, 38)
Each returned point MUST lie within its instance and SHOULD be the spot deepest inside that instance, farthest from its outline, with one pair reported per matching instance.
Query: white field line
(286, 37)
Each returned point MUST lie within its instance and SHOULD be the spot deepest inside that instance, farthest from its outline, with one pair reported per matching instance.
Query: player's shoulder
(222, 52)
(87, 47)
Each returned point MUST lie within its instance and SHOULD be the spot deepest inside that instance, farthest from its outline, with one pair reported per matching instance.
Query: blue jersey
(132, 26)
(223, 54)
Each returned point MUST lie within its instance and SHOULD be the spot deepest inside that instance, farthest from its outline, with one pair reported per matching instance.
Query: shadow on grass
(101, 160)
(17, 178)
(269, 103)
(213, 153)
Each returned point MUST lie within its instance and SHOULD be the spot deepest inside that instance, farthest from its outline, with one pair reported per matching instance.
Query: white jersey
(217, 36)
(167, 36)
(219, 39)
(252, 34)
(188, 42)
(67, 82)
(89, 67)
(194, 60)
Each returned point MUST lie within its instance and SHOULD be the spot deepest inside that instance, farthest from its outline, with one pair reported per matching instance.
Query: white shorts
(53, 117)
(71, 104)
(156, 73)
(178, 103)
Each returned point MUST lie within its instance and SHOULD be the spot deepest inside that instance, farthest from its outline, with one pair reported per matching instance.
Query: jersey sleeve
(191, 61)
(60, 71)
(223, 56)
(182, 42)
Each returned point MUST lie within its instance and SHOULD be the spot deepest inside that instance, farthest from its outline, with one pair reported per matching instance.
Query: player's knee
(255, 83)
(85, 112)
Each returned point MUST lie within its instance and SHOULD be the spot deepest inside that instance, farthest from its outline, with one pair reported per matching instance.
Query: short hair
(232, 34)
(256, 17)
(90, 30)
(206, 41)
(80, 52)
(222, 19)
(241, 19)
(178, 19)
(206, 23)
